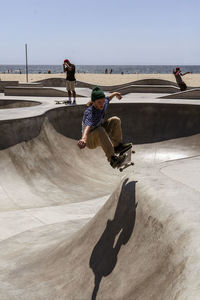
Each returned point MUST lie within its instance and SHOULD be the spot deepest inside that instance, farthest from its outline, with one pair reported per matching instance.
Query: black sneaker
(121, 148)
(116, 161)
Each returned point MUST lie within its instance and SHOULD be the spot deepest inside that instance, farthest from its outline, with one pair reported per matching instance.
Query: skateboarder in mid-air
(96, 131)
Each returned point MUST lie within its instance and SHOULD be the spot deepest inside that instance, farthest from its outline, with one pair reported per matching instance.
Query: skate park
(73, 227)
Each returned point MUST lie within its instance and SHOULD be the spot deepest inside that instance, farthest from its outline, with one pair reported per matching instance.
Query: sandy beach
(104, 79)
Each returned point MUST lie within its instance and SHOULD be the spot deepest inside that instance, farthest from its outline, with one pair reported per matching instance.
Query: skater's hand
(81, 143)
(115, 94)
(118, 95)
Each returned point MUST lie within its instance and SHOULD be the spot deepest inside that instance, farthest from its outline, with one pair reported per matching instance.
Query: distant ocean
(100, 69)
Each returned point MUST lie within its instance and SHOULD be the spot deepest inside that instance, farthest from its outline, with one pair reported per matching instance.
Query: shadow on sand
(117, 233)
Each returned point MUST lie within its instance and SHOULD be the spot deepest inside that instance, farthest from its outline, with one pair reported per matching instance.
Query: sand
(104, 79)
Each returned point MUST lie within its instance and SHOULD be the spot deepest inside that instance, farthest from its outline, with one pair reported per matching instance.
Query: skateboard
(61, 102)
(127, 162)
(65, 102)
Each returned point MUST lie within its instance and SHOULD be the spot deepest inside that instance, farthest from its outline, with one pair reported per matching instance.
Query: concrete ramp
(147, 89)
(134, 248)
(188, 94)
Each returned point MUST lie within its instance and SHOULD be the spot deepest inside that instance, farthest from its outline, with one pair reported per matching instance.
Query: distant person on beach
(111, 71)
(69, 68)
(106, 71)
(96, 131)
(178, 75)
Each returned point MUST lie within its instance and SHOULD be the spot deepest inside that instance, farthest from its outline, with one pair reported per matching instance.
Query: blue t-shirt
(94, 117)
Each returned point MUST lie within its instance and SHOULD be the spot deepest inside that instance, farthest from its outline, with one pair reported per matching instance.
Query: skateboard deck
(61, 102)
(127, 162)
(64, 102)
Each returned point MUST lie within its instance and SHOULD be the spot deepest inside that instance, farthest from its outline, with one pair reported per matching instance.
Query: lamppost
(26, 63)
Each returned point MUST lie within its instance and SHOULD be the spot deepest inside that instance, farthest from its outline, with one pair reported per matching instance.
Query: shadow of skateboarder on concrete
(117, 233)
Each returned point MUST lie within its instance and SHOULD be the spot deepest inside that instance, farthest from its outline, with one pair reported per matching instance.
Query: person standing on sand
(96, 131)
(70, 79)
(178, 75)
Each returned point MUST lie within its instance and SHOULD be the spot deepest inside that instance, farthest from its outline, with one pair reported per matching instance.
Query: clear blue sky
(100, 31)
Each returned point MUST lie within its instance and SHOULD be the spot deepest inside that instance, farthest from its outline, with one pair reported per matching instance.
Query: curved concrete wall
(16, 131)
(53, 82)
(141, 122)
(61, 82)
(154, 81)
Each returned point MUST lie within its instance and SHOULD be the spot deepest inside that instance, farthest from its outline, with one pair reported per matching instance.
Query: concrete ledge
(4, 83)
(28, 84)
(35, 91)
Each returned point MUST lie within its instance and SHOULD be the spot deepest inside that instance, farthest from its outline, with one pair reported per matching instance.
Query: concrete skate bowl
(142, 244)
(5, 104)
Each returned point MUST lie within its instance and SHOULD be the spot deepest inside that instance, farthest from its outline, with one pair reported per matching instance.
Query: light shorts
(70, 85)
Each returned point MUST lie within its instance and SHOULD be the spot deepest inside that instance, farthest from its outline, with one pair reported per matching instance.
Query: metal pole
(26, 63)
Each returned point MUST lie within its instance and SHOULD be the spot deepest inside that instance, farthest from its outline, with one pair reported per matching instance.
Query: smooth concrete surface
(147, 89)
(74, 228)
(188, 94)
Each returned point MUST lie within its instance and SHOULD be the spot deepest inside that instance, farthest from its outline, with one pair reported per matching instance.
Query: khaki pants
(70, 85)
(108, 136)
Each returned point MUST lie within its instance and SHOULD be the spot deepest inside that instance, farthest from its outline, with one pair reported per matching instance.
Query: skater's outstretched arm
(115, 94)
(186, 73)
(82, 142)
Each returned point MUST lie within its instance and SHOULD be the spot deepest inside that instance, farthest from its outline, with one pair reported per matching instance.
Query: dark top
(70, 74)
(178, 75)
